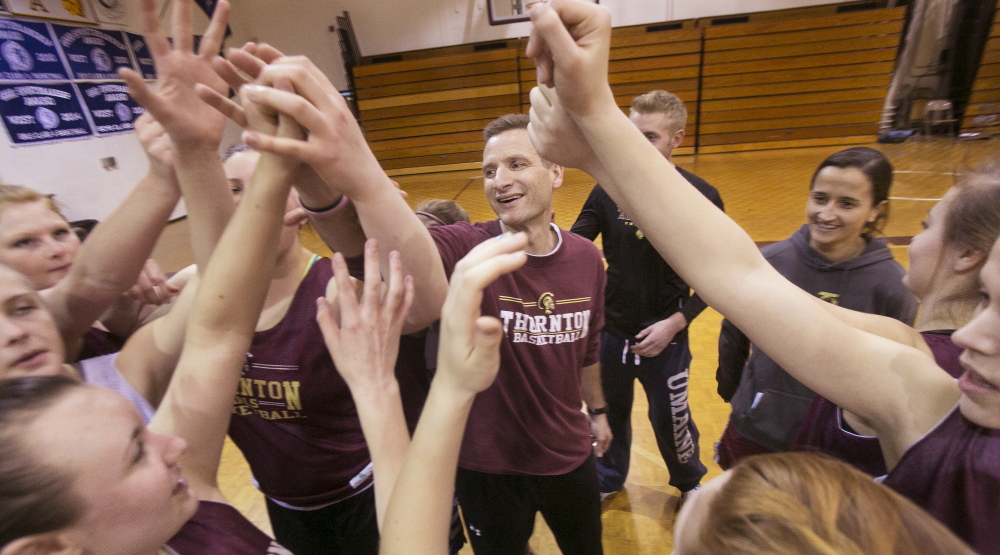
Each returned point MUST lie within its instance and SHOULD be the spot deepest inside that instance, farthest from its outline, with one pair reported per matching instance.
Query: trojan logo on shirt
(548, 328)
(832, 298)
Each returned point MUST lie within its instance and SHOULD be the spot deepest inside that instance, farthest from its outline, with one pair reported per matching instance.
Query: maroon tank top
(219, 529)
(293, 415)
(953, 472)
(824, 431)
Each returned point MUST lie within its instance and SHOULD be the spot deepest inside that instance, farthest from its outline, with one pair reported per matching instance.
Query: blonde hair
(665, 103)
(16, 194)
(803, 503)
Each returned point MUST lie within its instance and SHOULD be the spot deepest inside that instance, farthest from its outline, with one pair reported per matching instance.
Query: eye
(923, 225)
(488, 173)
(61, 233)
(652, 137)
(140, 452)
(848, 204)
(517, 165)
(25, 243)
(236, 186)
(23, 308)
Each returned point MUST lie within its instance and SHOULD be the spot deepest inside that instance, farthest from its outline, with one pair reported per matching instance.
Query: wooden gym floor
(765, 192)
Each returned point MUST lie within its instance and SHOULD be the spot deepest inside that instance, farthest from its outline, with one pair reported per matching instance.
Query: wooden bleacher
(801, 82)
(644, 58)
(429, 107)
(982, 114)
(800, 77)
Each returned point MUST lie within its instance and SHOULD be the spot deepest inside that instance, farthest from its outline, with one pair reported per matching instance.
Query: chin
(985, 415)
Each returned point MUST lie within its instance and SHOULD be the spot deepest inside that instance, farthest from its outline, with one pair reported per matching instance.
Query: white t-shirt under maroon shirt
(529, 422)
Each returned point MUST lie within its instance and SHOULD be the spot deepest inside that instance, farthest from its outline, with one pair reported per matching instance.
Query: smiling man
(528, 446)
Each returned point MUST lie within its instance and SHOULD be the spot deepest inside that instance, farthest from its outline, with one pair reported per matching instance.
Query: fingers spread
(183, 39)
(225, 106)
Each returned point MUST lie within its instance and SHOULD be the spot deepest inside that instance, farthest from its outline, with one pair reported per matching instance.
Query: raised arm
(110, 261)
(894, 387)
(419, 513)
(364, 345)
(198, 402)
(337, 150)
(194, 127)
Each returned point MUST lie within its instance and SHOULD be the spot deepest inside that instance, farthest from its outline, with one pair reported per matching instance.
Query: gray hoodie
(768, 404)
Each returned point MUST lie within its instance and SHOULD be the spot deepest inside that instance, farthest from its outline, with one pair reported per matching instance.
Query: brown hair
(443, 212)
(14, 194)
(665, 103)
(803, 503)
(504, 123)
(35, 497)
(973, 219)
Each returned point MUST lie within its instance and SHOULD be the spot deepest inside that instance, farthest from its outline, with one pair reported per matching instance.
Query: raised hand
(365, 343)
(156, 143)
(190, 122)
(569, 43)
(555, 134)
(469, 350)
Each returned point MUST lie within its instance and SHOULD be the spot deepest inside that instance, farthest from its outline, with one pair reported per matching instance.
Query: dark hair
(973, 219)
(876, 168)
(35, 497)
(504, 123)
(443, 212)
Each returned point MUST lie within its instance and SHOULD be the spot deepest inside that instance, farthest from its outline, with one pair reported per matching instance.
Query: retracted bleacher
(798, 82)
(982, 114)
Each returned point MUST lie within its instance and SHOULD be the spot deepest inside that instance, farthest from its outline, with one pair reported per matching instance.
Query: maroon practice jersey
(529, 421)
(219, 529)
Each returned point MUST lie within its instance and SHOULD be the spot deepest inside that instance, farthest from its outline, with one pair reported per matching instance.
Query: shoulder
(703, 186)
(579, 246)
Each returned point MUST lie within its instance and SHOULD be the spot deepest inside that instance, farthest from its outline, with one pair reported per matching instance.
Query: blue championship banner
(141, 51)
(93, 53)
(111, 108)
(39, 113)
(28, 53)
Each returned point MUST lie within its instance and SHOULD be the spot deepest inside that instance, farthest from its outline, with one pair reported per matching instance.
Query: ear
(677, 139)
(557, 175)
(969, 260)
(877, 211)
(50, 543)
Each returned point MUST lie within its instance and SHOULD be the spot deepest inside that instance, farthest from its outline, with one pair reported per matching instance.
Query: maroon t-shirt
(529, 422)
(293, 415)
(953, 472)
(823, 429)
(219, 529)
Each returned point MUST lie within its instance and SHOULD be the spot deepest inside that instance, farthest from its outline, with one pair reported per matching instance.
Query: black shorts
(499, 510)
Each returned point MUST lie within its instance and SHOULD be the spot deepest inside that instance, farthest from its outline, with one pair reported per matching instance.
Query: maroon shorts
(732, 447)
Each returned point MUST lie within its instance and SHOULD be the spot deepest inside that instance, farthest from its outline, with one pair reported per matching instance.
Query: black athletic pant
(348, 527)
(499, 510)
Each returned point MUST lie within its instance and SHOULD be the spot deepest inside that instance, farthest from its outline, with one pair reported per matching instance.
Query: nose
(976, 336)
(171, 447)
(503, 177)
(57, 249)
(11, 332)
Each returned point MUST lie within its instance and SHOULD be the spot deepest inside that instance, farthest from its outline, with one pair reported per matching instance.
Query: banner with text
(141, 51)
(28, 52)
(93, 53)
(39, 113)
(111, 108)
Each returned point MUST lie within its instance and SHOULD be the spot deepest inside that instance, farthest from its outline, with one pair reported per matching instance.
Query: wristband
(326, 209)
(597, 412)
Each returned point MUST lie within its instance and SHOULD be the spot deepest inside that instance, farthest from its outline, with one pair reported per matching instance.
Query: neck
(842, 251)
(542, 238)
(948, 310)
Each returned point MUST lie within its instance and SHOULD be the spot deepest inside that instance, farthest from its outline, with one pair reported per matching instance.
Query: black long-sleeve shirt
(641, 288)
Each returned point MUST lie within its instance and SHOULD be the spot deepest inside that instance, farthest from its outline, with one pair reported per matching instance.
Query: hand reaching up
(569, 43)
(469, 350)
(190, 122)
(365, 342)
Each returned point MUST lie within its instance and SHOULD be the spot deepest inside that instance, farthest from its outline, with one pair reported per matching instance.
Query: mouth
(64, 268)
(825, 227)
(973, 382)
(508, 199)
(32, 359)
